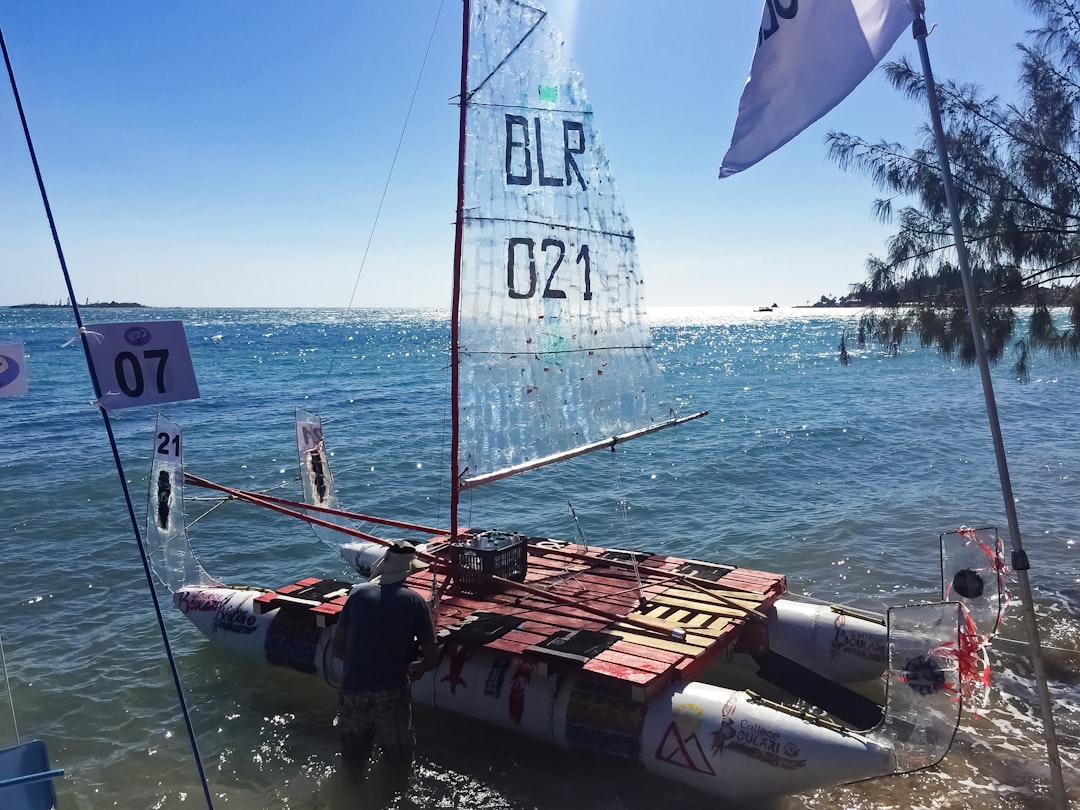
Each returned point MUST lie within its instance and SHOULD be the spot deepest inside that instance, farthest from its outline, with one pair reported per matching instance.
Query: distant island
(833, 303)
(87, 305)
(1054, 295)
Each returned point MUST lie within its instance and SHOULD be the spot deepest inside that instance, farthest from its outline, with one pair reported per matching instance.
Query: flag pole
(1020, 562)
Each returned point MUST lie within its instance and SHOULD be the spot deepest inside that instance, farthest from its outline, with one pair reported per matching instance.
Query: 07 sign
(141, 363)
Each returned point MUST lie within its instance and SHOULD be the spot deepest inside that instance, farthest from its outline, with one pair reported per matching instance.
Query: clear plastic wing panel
(555, 350)
(167, 547)
(973, 573)
(923, 691)
(316, 478)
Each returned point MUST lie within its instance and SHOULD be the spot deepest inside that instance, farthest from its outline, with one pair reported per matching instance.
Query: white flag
(12, 369)
(811, 54)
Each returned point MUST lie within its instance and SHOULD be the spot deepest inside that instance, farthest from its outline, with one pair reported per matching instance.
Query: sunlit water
(840, 477)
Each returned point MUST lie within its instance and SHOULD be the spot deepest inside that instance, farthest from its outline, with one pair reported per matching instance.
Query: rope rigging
(389, 176)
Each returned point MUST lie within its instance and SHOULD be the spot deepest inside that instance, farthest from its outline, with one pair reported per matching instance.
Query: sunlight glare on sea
(840, 477)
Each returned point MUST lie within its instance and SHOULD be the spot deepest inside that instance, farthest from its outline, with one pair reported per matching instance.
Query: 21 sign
(142, 363)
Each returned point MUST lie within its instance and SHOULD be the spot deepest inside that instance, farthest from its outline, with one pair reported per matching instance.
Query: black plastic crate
(476, 560)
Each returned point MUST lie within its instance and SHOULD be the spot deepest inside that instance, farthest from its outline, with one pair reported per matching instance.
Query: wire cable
(390, 174)
(11, 697)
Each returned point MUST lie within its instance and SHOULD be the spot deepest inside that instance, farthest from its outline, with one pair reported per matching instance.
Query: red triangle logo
(684, 752)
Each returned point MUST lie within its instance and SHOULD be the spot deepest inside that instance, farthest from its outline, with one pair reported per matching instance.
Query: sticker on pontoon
(857, 644)
(235, 619)
(457, 668)
(199, 601)
(689, 716)
(516, 699)
(605, 723)
(686, 752)
(755, 741)
(493, 686)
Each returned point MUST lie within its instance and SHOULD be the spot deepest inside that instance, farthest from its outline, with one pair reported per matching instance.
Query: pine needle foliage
(1016, 170)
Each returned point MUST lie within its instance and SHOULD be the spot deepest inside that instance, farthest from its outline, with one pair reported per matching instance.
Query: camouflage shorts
(383, 717)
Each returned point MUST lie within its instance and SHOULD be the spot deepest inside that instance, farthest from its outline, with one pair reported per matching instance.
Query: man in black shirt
(386, 639)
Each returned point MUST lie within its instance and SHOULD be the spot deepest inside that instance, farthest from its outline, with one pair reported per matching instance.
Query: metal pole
(1019, 556)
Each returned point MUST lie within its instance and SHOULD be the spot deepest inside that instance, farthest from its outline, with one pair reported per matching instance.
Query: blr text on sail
(522, 156)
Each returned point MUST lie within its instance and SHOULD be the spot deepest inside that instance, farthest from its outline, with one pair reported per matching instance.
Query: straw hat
(398, 561)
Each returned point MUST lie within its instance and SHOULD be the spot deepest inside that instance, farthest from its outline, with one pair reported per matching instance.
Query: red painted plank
(619, 673)
(651, 653)
(470, 604)
(562, 622)
(450, 617)
(593, 589)
(554, 563)
(600, 585)
(563, 612)
(754, 577)
(521, 637)
(545, 629)
(512, 647)
(633, 662)
(762, 574)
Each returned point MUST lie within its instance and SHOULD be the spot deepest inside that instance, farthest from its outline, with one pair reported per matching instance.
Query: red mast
(455, 302)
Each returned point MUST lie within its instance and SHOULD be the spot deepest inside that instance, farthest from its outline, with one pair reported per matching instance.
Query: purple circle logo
(9, 370)
(137, 336)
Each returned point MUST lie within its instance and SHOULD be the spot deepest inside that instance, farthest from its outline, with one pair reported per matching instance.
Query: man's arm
(429, 650)
(429, 661)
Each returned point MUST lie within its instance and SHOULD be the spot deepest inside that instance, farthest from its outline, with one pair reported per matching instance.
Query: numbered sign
(142, 363)
(12, 369)
(167, 449)
(309, 435)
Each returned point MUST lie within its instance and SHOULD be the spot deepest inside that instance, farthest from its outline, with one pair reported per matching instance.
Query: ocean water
(840, 477)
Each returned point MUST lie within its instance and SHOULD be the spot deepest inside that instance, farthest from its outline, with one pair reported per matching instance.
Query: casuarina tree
(1017, 176)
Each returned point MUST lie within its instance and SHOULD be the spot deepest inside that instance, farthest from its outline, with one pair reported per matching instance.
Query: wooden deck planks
(634, 675)
(667, 645)
(673, 600)
(703, 615)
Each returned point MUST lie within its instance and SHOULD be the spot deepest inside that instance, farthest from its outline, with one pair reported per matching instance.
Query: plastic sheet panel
(316, 477)
(167, 547)
(555, 351)
(973, 573)
(923, 692)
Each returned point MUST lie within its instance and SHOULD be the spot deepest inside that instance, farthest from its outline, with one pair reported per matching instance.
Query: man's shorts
(383, 716)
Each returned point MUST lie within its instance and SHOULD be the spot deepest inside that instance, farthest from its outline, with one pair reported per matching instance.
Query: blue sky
(211, 153)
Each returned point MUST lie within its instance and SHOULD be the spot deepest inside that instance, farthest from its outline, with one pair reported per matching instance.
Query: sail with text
(554, 351)
(810, 55)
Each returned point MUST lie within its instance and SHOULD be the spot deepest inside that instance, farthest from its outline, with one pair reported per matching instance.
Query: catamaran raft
(561, 643)
(706, 674)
